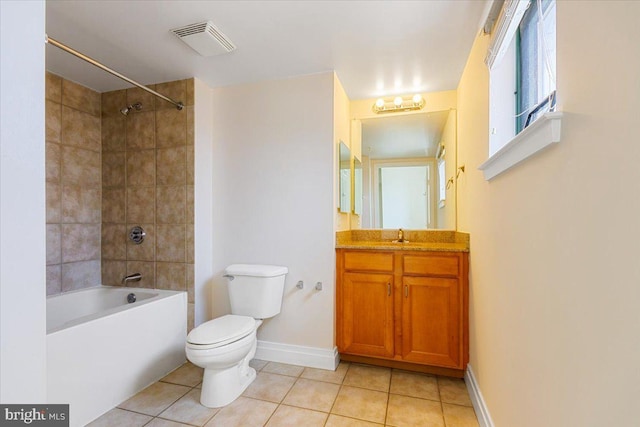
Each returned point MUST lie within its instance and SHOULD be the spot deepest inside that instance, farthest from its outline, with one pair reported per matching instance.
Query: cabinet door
(367, 314)
(431, 321)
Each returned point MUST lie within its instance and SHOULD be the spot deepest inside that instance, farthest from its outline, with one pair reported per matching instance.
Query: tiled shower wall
(147, 180)
(73, 186)
(107, 172)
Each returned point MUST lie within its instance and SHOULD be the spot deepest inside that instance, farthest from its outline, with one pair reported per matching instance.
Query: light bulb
(417, 98)
(397, 101)
(380, 103)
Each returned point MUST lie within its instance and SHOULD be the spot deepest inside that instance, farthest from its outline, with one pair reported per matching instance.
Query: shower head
(137, 106)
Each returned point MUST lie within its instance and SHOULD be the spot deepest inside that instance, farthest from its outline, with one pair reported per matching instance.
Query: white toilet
(225, 345)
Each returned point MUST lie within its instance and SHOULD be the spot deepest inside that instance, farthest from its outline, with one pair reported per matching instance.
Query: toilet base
(221, 387)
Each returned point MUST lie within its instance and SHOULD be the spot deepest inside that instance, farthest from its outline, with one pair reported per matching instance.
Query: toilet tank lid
(256, 270)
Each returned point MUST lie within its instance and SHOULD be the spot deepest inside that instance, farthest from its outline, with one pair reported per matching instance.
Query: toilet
(225, 345)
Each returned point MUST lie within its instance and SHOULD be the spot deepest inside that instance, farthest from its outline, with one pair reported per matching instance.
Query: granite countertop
(417, 240)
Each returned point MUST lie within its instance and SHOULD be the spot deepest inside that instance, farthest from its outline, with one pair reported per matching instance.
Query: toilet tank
(255, 290)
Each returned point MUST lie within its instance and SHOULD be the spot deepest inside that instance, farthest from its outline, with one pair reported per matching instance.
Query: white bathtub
(101, 350)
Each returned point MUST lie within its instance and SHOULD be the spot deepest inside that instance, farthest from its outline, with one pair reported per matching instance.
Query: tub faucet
(135, 277)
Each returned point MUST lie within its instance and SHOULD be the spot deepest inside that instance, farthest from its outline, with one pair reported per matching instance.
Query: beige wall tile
(171, 204)
(81, 129)
(141, 205)
(53, 121)
(171, 127)
(190, 204)
(190, 126)
(81, 205)
(54, 279)
(113, 169)
(79, 275)
(190, 283)
(52, 162)
(53, 87)
(191, 315)
(114, 242)
(113, 272)
(54, 244)
(176, 90)
(114, 133)
(81, 98)
(113, 102)
(54, 202)
(190, 243)
(80, 242)
(148, 271)
(141, 167)
(170, 243)
(113, 205)
(141, 130)
(135, 94)
(171, 275)
(190, 165)
(190, 101)
(81, 167)
(171, 164)
(146, 251)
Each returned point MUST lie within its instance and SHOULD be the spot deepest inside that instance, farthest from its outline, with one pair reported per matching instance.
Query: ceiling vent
(204, 38)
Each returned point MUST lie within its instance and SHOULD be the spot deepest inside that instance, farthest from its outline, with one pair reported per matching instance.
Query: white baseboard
(480, 406)
(311, 357)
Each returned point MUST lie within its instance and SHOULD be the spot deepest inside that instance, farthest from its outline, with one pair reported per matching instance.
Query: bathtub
(102, 350)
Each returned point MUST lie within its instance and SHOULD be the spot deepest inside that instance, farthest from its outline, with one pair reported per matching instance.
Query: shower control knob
(136, 235)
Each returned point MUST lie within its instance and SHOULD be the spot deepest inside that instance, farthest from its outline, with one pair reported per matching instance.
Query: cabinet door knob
(406, 291)
(388, 289)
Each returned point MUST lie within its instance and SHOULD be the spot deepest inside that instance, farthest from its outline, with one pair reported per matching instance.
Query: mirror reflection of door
(404, 194)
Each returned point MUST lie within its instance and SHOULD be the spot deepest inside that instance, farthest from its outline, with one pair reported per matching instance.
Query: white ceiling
(403, 136)
(376, 47)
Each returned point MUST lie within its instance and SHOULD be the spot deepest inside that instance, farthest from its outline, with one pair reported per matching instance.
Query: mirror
(357, 186)
(344, 178)
(409, 165)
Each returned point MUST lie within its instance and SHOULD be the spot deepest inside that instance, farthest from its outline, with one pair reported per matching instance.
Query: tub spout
(135, 277)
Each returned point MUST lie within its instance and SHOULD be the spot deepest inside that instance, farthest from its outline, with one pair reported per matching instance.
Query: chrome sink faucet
(400, 235)
(135, 277)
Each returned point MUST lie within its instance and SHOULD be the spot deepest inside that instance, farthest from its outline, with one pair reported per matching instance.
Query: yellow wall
(555, 271)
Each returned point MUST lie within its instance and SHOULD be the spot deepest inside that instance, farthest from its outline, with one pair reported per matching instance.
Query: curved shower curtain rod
(91, 61)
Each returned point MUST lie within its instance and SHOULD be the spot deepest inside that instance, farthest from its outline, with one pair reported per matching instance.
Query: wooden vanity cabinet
(404, 306)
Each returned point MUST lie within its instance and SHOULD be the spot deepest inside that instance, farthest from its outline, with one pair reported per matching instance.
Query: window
(522, 63)
(536, 62)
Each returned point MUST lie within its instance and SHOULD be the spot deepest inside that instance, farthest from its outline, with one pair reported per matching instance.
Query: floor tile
(459, 416)
(187, 374)
(326, 375)
(368, 405)
(453, 390)
(286, 416)
(189, 410)
(283, 369)
(371, 377)
(257, 364)
(338, 421)
(414, 385)
(243, 412)
(155, 398)
(312, 395)
(406, 411)
(159, 422)
(271, 387)
(120, 417)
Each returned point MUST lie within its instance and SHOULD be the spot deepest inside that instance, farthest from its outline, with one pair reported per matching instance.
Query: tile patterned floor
(286, 395)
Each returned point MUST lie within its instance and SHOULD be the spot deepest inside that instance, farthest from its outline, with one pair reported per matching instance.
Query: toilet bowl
(224, 346)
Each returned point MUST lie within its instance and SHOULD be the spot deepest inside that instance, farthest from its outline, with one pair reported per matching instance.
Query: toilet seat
(220, 331)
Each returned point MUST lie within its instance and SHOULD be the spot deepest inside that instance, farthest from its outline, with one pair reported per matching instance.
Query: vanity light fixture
(398, 103)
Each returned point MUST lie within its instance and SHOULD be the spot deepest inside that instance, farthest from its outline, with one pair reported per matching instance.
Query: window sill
(539, 135)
